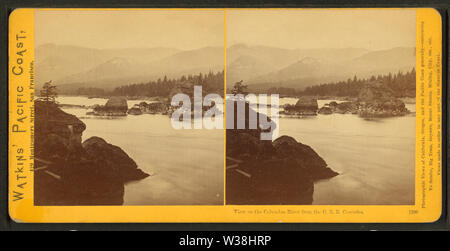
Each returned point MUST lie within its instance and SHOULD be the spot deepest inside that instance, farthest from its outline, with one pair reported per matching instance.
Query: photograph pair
(224, 107)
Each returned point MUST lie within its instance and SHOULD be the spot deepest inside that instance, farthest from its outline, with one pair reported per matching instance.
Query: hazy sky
(192, 29)
(370, 29)
(131, 28)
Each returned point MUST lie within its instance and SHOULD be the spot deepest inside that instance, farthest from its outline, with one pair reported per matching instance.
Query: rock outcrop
(305, 106)
(374, 100)
(304, 156)
(377, 100)
(346, 107)
(113, 159)
(262, 172)
(325, 110)
(149, 108)
(155, 107)
(135, 110)
(69, 172)
(115, 106)
(383, 108)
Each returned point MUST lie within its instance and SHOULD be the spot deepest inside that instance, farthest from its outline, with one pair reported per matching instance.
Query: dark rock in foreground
(69, 172)
(305, 157)
(262, 172)
(113, 159)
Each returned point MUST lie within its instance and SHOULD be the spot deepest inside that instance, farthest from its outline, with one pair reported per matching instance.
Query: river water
(375, 158)
(186, 166)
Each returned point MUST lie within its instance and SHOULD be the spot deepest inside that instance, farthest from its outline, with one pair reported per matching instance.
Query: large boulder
(115, 106)
(247, 146)
(51, 119)
(307, 103)
(268, 182)
(262, 172)
(113, 159)
(305, 106)
(245, 143)
(69, 172)
(305, 157)
(55, 130)
(117, 103)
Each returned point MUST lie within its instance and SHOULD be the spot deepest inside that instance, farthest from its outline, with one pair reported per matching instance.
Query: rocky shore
(71, 172)
(262, 172)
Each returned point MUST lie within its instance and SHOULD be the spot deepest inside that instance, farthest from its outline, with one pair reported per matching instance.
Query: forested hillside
(402, 84)
(211, 83)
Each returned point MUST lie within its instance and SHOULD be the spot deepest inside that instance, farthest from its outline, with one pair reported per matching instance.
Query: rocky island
(305, 106)
(115, 106)
(71, 172)
(377, 100)
(150, 108)
(374, 100)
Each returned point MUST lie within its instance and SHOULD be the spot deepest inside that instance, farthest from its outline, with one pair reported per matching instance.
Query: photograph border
(254, 226)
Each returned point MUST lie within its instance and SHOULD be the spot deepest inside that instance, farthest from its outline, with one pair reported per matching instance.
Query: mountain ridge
(255, 65)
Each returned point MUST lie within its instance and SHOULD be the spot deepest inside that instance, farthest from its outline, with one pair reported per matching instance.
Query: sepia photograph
(103, 113)
(226, 115)
(235, 107)
(346, 86)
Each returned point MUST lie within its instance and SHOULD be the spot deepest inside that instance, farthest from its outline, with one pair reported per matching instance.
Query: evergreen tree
(48, 93)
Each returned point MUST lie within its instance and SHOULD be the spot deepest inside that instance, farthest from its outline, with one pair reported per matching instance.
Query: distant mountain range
(72, 67)
(273, 67)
